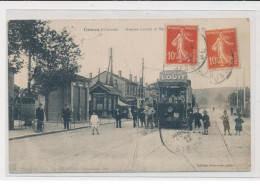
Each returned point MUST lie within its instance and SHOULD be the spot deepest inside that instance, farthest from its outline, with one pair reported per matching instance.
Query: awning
(120, 103)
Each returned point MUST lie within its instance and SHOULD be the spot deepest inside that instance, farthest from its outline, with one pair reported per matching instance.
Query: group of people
(239, 121)
(39, 114)
(198, 119)
(204, 119)
(145, 115)
(173, 98)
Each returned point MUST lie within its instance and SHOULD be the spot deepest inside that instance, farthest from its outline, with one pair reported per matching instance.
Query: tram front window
(173, 95)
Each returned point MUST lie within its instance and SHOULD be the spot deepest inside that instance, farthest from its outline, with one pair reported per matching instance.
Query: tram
(174, 96)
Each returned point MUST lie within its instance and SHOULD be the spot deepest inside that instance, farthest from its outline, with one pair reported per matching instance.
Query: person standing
(198, 119)
(134, 114)
(141, 116)
(94, 122)
(118, 117)
(190, 116)
(151, 117)
(146, 114)
(231, 111)
(225, 120)
(66, 114)
(40, 118)
(206, 122)
(239, 122)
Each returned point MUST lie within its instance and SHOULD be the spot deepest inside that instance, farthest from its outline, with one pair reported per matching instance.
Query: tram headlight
(170, 109)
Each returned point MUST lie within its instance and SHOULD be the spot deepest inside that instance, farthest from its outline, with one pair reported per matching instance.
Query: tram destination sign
(173, 76)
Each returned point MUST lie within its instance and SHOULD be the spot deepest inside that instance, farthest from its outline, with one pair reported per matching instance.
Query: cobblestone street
(133, 150)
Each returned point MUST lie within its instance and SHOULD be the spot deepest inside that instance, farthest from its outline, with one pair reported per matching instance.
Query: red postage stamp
(222, 48)
(182, 44)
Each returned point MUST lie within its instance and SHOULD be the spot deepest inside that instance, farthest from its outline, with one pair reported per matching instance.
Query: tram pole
(142, 83)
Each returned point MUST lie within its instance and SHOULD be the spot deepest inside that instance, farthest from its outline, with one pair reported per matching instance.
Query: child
(94, 122)
(198, 119)
(225, 119)
(239, 122)
(206, 122)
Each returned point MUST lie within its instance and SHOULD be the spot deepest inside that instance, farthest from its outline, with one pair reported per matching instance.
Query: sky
(134, 40)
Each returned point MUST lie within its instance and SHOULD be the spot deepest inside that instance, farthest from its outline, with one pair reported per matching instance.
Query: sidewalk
(21, 131)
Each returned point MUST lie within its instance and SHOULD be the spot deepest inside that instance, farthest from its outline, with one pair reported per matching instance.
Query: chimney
(130, 77)
(135, 79)
(90, 75)
(120, 73)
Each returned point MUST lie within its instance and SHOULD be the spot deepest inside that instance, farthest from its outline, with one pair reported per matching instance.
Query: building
(130, 89)
(74, 94)
(104, 99)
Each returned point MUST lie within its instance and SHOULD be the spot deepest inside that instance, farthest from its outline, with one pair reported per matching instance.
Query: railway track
(225, 145)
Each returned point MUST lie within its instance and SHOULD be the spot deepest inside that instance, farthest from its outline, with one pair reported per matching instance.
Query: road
(133, 150)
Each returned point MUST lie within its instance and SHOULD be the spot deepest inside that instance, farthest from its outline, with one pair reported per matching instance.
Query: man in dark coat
(118, 116)
(66, 114)
(141, 115)
(134, 114)
(198, 119)
(190, 115)
(40, 118)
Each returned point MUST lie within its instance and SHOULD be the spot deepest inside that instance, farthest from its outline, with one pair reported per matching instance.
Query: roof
(111, 90)
(82, 78)
(122, 78)
(121, 103)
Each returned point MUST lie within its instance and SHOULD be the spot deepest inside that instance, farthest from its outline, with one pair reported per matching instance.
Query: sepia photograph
(129, 95)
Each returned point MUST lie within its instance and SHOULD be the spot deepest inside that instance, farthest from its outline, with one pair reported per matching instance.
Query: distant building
(75, 95)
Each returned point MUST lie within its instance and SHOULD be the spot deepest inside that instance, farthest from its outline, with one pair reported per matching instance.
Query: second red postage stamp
(222, 48)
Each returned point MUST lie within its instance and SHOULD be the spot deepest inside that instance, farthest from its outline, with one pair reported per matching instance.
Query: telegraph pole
(142, 83)
(237, 90)
(111, 82)
(244, 88)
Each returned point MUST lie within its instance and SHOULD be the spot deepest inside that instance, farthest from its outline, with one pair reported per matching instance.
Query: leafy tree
(57, 64)
(23, 39)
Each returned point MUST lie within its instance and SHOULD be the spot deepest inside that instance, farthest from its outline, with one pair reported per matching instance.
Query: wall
(55, 105)
(10, 83)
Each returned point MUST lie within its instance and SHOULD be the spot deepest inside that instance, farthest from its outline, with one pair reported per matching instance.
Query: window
(127, 91)
(109, 103)
(105, 102)
(100, 101)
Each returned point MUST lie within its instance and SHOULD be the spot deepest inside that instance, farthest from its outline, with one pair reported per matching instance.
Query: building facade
(130, 89)
(75, 95)
(104, 99)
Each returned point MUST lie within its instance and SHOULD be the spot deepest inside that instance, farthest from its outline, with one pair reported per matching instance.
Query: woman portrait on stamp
(179, 41)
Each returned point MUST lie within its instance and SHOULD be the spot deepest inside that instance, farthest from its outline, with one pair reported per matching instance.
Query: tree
(23, 39)
(57, 64)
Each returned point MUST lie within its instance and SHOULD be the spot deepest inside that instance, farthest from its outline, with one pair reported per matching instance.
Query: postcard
(129, 95)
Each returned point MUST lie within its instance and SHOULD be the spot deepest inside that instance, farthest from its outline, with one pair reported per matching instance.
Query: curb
(53, 132)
